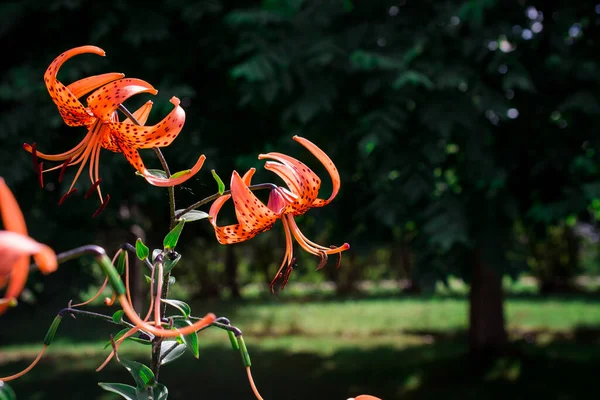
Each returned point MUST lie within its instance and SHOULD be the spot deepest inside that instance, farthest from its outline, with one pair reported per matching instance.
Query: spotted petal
(66, 98)
(104, 101)
(146, 137)
(253, 216)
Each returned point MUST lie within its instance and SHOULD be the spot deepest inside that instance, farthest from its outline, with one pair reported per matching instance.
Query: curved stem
(217, 195)
(252, 385)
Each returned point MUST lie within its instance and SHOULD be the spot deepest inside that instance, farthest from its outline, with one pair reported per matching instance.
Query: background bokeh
(464, 135)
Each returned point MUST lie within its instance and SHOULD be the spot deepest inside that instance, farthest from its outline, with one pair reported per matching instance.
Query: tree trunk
(231, 272)
(487, 334)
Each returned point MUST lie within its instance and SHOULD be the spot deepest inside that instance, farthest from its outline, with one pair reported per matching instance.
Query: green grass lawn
(395, 347)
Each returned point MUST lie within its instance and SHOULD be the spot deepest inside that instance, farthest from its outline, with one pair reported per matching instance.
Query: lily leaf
(143, 376)
(126, 391)
(174, 349)
(169, 263)
(220, 183)
(172, 237)
(133, 338)
(141, 250)
(193, 215)
(118, 316)
(159, 173)
(6, 393)
(190, 340)
(183, 307)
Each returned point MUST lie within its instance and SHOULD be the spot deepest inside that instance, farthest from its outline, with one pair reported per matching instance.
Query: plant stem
(157, 341)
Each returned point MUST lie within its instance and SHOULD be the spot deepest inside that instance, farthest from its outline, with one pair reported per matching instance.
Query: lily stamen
(102, 206)
(63, 168)
(92, 188)
(64, 196)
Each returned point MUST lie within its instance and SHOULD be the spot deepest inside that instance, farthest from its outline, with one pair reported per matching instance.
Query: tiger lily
(255, 217)
(104, 128)
(16, 248)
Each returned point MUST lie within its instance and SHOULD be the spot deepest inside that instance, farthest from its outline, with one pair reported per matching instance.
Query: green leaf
(148, 279)
(121, 262)
(368, 61)
(142, 375)
(172, 237)
(141, 249)
(175, 350)
(132, 338)
(126, 391)
(159, 173)
(118, 316)
(220, 183)
(6, 393)
(159, 391)
(180, 305)
(190, 340)
(181, 173)
(169, 263)
(412, 77)
(193, 215)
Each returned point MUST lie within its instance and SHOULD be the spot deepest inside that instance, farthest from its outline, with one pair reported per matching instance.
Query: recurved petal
(252, 215)
(15, 252)
(70, 108)
(104, 101)
(12, 217)
(86, 85)
(329, 166)
(177, 178)
(225, 234)
(17, 280)
(141, 114)
(160, 135)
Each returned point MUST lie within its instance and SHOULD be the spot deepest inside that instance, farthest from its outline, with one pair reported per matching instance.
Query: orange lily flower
(255, 217)
(16, 248)
(366, 397)
(104, 128)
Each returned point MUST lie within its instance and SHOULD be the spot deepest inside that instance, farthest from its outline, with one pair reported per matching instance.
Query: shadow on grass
(558, 370)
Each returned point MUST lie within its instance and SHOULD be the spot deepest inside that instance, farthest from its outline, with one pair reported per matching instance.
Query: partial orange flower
(104, 128)
(16, 248)
(366, 397)
(255, 217)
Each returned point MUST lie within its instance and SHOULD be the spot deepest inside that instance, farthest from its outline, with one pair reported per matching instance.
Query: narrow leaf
(172, 237)
(219, 181)
(118, 316)
(190, 340)
(159, 173)
(125, 391)
(143, 375)
(6, 393)
(183, 307)
(141, 249)
(193, 215)
(172, 349)
(169, 263)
